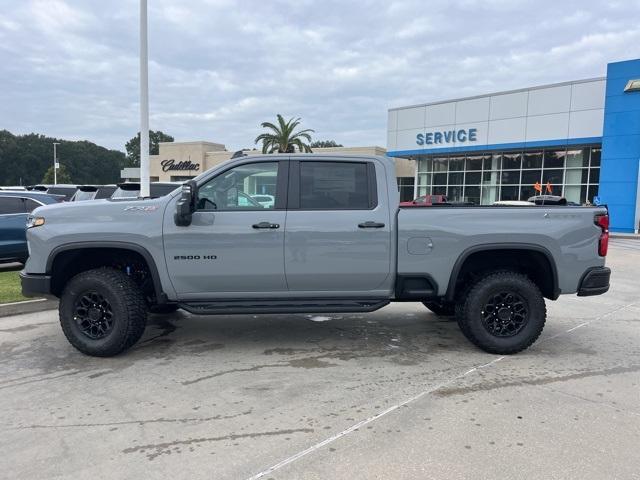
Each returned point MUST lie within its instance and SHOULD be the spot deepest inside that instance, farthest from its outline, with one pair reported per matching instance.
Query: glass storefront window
(425, 165)
(454, 194)
(529, 177)
(474, 163)
(509, 192)
(455, 178)
(532, 160)
(578, 158)
(472, 178)
(573, 193)
(486, 178)
(554, 177)
(527, 191)
(490, 178)
(456, 164)
(554, 158)
(510, 176)
(440, 164)
(440, 178)
(511, 161)
(494, 162)
(472, 194)
(424, 179)
(576, 175)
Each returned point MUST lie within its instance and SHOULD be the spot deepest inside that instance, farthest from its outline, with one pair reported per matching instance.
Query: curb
(28, 306)
(629, 236)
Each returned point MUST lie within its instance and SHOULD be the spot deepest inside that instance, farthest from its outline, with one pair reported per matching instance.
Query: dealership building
(579, 139)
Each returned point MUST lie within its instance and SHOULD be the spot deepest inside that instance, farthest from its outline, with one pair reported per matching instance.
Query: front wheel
(102, 312)
(503, 313)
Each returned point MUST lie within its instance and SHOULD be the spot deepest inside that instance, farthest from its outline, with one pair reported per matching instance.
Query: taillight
(602, 220)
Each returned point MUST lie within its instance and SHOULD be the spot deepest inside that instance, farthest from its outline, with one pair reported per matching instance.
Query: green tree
(155, 137)
(325, 144)
(24, 160)
(63, 175)
(283, 138)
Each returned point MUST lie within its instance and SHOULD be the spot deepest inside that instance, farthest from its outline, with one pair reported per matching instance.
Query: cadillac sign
(171, 165)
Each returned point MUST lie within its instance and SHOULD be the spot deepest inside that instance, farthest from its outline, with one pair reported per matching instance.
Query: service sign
(449, 137)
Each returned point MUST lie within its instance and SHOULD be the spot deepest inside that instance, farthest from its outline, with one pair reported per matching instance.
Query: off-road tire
(127, 304)
(442, 309)
(471, 322)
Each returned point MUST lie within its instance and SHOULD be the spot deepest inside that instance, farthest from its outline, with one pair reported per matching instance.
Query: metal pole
(144, 103)
(55, 164)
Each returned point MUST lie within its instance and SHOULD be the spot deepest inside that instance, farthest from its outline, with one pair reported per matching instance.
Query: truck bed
(435, 240)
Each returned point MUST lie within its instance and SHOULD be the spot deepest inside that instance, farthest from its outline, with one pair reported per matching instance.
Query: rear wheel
(102, 312)
(442, 309)
(503, 313)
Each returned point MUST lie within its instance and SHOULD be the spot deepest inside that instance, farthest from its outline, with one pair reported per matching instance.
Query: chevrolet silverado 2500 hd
(333, 240)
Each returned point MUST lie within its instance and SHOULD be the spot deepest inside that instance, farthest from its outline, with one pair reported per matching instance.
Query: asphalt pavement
(395, 394)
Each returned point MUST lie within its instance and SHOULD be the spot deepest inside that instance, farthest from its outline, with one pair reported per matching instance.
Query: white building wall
(570, 110)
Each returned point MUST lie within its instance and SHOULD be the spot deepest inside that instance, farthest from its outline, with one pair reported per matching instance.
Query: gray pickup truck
(333, 240)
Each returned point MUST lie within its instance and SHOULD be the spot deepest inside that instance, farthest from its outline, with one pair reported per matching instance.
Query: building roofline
(192, 142)
(504, 92)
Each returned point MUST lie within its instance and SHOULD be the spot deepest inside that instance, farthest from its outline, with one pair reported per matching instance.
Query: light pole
(55, 164)
(144, 102)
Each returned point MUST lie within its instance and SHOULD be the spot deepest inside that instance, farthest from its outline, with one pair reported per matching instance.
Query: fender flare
(450, 294)
(161, 297)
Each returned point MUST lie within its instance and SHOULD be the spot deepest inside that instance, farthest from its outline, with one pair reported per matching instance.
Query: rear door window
(335, 186)
(11, 205)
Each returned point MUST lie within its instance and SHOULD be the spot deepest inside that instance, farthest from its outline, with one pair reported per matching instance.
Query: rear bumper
(35, 285)
(595, 281)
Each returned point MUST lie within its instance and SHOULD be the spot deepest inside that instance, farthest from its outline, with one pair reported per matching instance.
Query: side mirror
(186, 204)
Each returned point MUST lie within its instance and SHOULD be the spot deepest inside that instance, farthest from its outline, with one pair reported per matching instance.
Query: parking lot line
(414, 398)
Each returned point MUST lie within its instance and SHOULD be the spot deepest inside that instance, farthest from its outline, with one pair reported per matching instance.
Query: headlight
(33, 221)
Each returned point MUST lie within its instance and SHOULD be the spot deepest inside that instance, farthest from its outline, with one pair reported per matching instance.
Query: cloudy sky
(218, 68)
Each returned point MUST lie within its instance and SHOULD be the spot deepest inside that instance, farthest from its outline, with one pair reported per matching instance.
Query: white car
(514, 203)
(267, 201)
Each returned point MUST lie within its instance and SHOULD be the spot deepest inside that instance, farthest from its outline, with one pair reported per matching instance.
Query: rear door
(13, 218)
(338, 231)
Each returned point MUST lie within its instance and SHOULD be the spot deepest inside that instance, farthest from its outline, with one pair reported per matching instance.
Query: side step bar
(229, 307)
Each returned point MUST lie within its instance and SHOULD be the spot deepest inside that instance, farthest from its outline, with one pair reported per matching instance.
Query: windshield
(122, 193)
(83, 195)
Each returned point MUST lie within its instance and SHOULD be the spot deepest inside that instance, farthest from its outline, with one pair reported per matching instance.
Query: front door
(338, 237)
(234, 245)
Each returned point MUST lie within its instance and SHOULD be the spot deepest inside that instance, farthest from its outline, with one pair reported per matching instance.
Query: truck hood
(101, 210)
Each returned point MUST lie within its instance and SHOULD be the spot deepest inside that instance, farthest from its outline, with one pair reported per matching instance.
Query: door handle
(266, 225)
(371, 225)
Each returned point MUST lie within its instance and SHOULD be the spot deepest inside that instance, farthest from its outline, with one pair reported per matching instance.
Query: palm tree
(282, 138)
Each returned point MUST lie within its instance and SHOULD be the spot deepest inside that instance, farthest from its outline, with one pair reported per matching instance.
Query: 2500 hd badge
(195, 257)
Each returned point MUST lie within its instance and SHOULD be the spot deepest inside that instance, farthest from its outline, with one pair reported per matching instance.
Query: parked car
(59, 189)
(335, 241)
(13, 188)
(514, 203)
(14, 209)
(425, 201)
(548, 200)
(267, 201)
(93, 192)
(132, 189)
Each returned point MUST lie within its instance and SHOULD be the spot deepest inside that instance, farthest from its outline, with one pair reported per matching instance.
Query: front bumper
(595, 281)
(35, 285)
